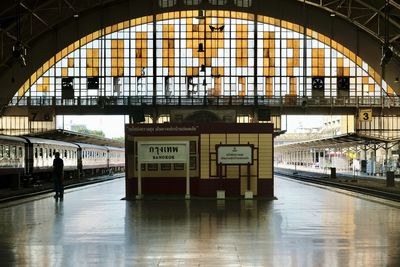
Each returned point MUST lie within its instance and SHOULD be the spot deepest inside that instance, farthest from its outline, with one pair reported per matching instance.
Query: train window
(54, 151)
(50, 154)
(45, 153)
(36, 152)
(20, 152)
(7, 151)
(69, 154)
(13, 152)
(41, 152)
(1, 151)
(65, 153)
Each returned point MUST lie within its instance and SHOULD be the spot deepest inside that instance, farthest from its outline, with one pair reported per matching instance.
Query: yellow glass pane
(314, 62)
(114, 72)
(95, 62)
(390, 90)
(114, 62)
(71, 62)
(120, 71)
(165, 62)
(64, 72)
(95, 72)
(371, 88)
(293, 86)
(272, 62)
(314, 71)
(290, 62)
(95, 52)
(208, 62)
(340, 71)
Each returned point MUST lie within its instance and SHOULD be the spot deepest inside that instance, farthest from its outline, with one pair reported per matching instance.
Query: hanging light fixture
(201, 48)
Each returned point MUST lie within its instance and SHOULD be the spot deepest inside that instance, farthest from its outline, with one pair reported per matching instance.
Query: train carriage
(29, 159)
(12, 155)
(116, 158)
(40, 155)
(92, 158)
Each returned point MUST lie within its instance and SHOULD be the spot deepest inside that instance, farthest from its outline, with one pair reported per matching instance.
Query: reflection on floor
(306, 226)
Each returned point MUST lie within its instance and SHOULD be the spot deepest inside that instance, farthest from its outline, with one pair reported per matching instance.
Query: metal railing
(290, 101)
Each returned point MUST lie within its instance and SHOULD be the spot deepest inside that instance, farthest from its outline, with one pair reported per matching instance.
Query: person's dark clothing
(58, 177)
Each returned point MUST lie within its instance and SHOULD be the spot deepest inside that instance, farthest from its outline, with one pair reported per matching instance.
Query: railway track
(337, 184)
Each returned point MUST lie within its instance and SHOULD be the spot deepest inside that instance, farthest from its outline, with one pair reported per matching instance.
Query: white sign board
(163, 152)
(235, 155)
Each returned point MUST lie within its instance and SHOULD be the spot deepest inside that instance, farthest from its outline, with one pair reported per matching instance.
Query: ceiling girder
(35, 15)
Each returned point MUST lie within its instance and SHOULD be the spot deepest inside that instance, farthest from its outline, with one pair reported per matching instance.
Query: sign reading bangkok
(235, 154)
(162, 152)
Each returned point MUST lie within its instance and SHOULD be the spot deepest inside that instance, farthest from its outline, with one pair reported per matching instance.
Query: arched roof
(48, 26)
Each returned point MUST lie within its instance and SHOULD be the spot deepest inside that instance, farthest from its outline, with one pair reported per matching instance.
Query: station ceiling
(29, 20)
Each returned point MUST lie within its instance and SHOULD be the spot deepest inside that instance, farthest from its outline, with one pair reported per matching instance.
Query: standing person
(58, 176)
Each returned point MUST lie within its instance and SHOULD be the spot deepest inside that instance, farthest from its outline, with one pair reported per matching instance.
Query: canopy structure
(340, 141)
(69, 136)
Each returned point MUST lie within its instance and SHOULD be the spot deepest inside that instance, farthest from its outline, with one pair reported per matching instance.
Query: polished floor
(306, 226)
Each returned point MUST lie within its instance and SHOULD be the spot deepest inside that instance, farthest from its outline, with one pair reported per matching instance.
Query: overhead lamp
(397, 80)
(19, 52)
(201, 14)
(220, 29)
(333, 14)
(201, 47)
(203, 68)
(204, 82)
(76, 15)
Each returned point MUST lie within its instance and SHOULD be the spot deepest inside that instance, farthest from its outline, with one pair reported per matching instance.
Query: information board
(235, 154)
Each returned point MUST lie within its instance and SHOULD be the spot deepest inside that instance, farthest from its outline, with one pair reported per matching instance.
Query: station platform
(345, 177)
(306, 226)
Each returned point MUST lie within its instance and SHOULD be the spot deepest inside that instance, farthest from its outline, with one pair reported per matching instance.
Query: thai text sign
(235, 154)
(163, 152)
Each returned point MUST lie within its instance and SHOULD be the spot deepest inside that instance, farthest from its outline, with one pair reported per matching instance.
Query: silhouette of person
(58, 176)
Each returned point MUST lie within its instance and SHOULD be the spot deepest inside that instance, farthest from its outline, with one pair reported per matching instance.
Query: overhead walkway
(277, 105)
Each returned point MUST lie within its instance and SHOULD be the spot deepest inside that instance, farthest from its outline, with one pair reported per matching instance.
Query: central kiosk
(202, 160)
